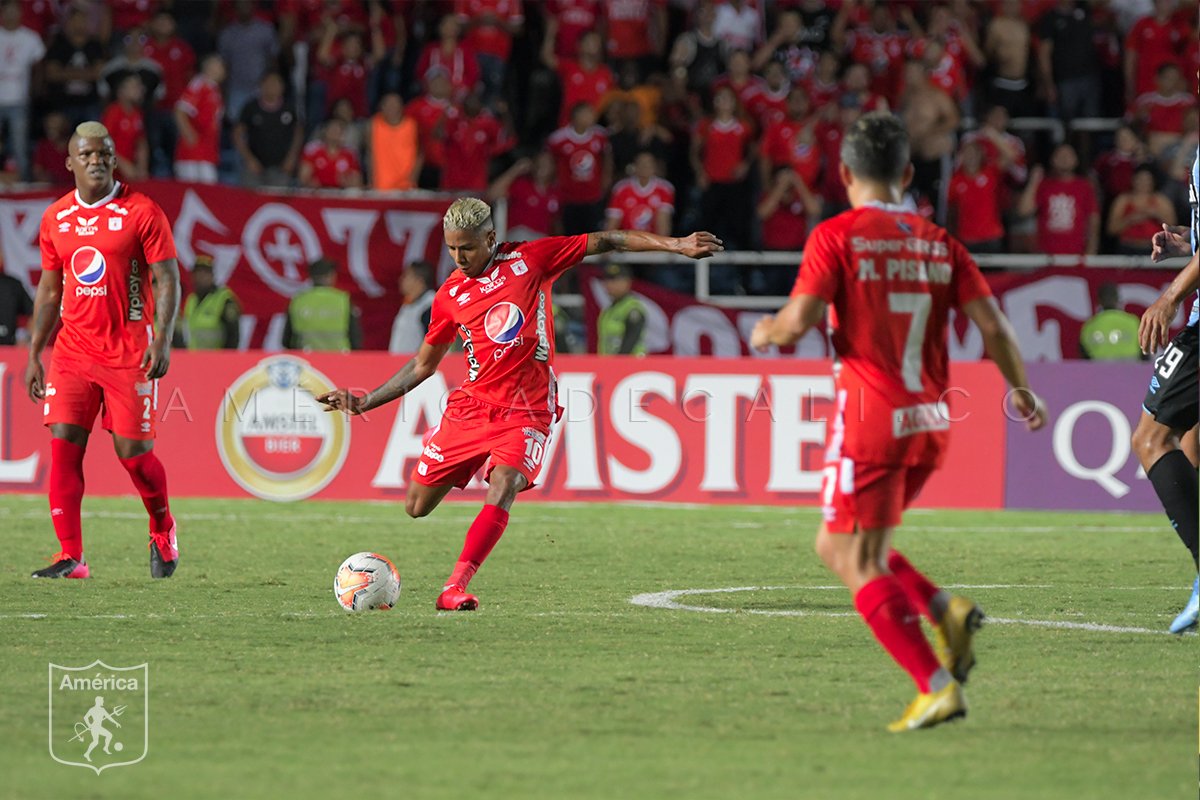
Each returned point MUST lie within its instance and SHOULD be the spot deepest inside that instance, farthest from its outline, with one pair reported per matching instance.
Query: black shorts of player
(1173, 398)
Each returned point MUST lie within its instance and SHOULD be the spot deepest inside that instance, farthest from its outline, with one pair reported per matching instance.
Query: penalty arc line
(669, 600)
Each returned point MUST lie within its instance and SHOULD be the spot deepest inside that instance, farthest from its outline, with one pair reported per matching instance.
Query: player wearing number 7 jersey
(498, 302)
(889, 279)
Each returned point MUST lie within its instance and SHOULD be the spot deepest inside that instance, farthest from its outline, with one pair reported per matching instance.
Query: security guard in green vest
(621, 329)
(322, 317)
(211, 314)
(1111, 335)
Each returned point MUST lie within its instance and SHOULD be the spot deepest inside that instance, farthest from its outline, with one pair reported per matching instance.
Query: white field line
(669, 600)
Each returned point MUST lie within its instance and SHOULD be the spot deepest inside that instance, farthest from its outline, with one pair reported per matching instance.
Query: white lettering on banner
(21, 470)
(654, 436)
(19, 224)
(1043, 342)
(1104, 475)
(577, 393)
(352, 227)
(286, 224)
(720, 394)
(192, 213)
(790, 432)
(696, 323)
(418, 411)
(412, 229)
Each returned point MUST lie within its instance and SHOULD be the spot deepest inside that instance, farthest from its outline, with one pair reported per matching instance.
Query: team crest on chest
(114, 223)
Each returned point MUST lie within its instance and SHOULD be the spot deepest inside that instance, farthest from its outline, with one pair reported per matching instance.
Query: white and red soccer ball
(366, 581)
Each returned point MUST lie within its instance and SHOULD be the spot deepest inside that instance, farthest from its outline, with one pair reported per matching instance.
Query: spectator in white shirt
(408, 331)
(20, 49)
(738, 25)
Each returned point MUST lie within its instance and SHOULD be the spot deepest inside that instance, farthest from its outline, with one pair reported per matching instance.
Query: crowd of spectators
(665, 115)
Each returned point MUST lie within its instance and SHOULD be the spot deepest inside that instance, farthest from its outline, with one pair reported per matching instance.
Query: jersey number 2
(918, 306)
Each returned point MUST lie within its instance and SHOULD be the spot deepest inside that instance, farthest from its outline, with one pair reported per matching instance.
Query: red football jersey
(461, 66)
(582, 86)
(629, 27)
(746, 92)
(636, 206)
(429, 112)
(767, 106)
(531, 207)
(104, 251)
(785, 144)
(1163, 114)
(328, 168)
(1064, 208)
(506, 322)
(977, 198)
(178, 62)
(202, 103)
(473, 141)
(575, 18)
(580, 158)
(890, 278)
(1154, 43)
(127, 128)
(724, 147)
(348, 79)
(489, 38)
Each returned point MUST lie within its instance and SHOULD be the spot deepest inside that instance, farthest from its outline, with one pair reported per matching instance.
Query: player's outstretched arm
(1000, 342)
(701, 244)
(1170, 242)
(802, 313)
(46, 305)
(1154, 328)
(411, 375)
(157, 357)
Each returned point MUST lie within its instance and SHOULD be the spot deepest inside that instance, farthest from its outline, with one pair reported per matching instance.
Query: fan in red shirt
(768, 104)
(1065, 203)
(346, 67)
(498, 302)
(785, 210)
(533, 200)
(434, 111)
(792, 141)
(474, 137)
(584, 161)
(1161, 112)
(1115, 167)
(567, 21)
(722, 150)
(1137, 215)
(451, 55)
(1150, 43)
(198, 115)
(586, 80)
(889, 279)
(491, 25)
(328, 163)
(130, 14)
(974, 202)
(643, 201)
(635, 28)
(127, 127)
(102, 245)
(173, 55)
(51, 152)
(881, 48)
(745, 84)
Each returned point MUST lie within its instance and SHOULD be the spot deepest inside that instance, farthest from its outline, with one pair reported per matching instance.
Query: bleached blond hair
(91, 130)
(468, 214)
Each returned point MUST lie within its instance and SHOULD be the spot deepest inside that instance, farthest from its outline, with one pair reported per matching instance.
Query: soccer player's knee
(824, 547)
(1149, 442)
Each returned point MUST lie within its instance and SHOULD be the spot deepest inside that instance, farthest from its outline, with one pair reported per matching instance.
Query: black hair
(1109, 295)
(423, 270)
(876, 148)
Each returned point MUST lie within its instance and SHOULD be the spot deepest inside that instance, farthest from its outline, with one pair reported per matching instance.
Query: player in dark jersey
(102, 246)
(1165, 439)
(889, 279)
(498, 303)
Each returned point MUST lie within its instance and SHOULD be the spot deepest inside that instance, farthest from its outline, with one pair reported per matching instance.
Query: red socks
(917, 587)
(150, 479)
(482, 536)
(886, 609)
(66, 495)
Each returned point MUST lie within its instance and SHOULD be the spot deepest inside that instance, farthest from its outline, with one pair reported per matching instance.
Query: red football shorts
(472, 432)
(78, 389)
(868, 496)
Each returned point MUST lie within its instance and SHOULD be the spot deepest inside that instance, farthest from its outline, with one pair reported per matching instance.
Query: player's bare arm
(1000, 343)
(701, 244)
(410, 376)
(1154, 328)
(801, 314)
(157, 357)
(46, 305)
(1170, 242)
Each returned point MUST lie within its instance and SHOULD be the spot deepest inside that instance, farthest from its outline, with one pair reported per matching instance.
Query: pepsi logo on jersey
(503, 322)
(89, 265)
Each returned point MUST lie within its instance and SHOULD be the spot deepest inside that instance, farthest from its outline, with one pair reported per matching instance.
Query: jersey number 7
(918, 306)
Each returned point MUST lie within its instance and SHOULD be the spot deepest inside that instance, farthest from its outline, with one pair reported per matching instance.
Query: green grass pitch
(560, 687)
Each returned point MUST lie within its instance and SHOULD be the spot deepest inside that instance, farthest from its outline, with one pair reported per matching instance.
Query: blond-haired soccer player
(104, 246)
(498, 302)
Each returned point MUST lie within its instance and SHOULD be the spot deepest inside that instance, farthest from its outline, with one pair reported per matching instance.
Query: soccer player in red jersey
(498, 302)
(890, 278)
(102, 244)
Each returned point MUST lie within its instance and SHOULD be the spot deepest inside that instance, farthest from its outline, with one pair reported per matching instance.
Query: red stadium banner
(662, 429)
(1048, 308)
(262, 243)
